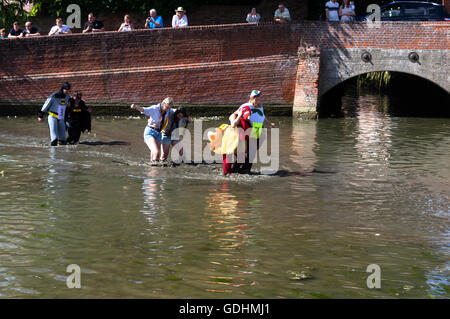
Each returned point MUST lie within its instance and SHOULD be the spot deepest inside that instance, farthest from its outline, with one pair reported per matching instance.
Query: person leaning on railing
(3, 34)
(93, 25)
(253, 17)
(59, 28)
(16, 31)
(29, 31)
(282, 14)
(126, 25)
(153, 21)
(180, 19)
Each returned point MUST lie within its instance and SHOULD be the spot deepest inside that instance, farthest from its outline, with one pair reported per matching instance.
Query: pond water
(350, 192)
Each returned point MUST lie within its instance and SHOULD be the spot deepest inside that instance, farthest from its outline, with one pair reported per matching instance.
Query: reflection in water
(225, 213)
(373, 141)
(154, 198)
(302, 150)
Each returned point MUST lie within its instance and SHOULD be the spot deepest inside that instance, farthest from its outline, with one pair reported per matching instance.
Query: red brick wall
(195, 65)
(206, 64)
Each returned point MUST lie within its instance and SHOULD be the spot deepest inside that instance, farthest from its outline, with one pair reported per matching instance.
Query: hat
(168, 101)
(180, 9)
(255, 93)
(65, 86)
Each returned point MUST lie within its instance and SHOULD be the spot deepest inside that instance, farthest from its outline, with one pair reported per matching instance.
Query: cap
(180, 9)
(255, 93)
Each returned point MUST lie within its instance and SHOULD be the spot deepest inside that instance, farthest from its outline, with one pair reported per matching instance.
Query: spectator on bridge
(346, 13)
(282, 14)
(253, 17)
(93, 25)
(180, 19)
(126, 25)
(332, 10)
(29, 30)
(16, 31)
(59, 28)
(154, 21)
(352, 5)
(3, 34)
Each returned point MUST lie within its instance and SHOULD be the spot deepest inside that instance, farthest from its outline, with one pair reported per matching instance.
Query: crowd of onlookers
(334, 12)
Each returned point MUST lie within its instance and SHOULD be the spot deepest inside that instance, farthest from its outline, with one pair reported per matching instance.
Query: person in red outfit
(240, 118)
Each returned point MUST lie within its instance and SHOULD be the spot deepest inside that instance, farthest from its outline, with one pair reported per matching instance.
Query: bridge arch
(406, 94)
(321, 69)
(337, 67)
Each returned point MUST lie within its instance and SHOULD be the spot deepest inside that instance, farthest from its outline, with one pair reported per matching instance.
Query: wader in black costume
(78, 119)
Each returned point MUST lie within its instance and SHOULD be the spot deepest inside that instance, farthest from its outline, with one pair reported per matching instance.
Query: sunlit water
(379, 195)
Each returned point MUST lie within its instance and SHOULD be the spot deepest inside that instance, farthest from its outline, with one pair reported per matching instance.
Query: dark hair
(180, 110)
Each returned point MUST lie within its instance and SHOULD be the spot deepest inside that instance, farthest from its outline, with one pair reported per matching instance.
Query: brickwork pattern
(198, 65)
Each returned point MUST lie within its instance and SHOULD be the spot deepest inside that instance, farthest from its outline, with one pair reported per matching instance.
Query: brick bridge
(206, 65)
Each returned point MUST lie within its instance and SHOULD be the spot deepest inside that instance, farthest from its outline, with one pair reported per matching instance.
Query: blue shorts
(166, 139)
(150, 132)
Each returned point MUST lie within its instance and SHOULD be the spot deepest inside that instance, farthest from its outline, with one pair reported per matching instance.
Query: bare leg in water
(165, 151)
(154, 147)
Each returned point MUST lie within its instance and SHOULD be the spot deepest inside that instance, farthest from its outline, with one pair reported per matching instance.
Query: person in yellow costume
(227, 137)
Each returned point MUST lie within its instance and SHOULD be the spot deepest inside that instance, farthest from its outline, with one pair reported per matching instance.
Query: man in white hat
(180, 19)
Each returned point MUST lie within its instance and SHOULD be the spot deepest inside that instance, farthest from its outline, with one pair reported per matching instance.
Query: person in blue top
(3, 34)
(16, 31)
(55, 106)
(157, 114)
(154, 21)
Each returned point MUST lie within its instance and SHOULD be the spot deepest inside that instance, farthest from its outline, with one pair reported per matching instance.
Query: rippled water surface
(351, 192)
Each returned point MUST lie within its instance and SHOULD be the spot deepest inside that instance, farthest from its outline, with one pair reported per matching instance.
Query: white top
(253, 18)
(285, 14)
(181, 23)
(333, 14)
(55, 29)
(347, 11)
(154, 113)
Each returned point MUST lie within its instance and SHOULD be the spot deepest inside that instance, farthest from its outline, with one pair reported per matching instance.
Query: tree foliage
(11, 11)
(57, 8)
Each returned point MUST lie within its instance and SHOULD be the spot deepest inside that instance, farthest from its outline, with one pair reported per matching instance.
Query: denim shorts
(151, 132)
(166, 139)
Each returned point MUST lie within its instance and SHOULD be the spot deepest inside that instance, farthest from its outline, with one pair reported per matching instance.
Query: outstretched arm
(137, 108)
